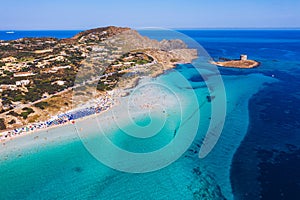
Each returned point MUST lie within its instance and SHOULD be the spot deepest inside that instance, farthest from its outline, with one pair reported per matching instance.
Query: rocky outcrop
(104, 31)
(244, 64)
(168, 53)
(168, 45)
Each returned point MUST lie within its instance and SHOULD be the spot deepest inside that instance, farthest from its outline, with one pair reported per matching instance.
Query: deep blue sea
(266, 164)
(5, 35)
(256, 157)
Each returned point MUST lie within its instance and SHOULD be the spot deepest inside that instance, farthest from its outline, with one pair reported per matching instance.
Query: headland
(47, 82)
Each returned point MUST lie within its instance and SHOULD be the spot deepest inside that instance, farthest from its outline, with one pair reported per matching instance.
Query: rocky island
(39, 77)
(243, 63)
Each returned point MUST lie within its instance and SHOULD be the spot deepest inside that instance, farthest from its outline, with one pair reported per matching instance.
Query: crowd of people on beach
(102, 104)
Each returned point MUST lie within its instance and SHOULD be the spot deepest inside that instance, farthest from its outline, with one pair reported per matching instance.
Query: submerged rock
(210, 98)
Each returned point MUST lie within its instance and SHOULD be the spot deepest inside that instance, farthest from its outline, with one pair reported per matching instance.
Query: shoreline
(59, 134)
(92, 45)
(116, 100)
(45, 136)
(13, 134)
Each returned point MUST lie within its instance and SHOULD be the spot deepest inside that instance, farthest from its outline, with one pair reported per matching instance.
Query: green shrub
(2, 124)
(27, 111)
(41, 105)
(13, 113)
(12, 121)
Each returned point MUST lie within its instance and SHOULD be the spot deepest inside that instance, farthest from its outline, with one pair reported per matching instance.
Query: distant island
(243, 62)
(38, 75)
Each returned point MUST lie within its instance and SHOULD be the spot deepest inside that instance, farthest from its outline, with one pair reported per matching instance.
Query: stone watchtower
(244, 57)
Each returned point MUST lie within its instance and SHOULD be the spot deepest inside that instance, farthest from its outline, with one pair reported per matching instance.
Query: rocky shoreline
(242, 64)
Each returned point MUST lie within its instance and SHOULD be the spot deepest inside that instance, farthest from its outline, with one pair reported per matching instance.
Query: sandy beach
(147, 97)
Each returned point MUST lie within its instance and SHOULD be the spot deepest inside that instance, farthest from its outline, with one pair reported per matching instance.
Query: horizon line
(174, 28)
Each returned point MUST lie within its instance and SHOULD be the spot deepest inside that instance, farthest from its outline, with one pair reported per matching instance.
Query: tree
(2, 124)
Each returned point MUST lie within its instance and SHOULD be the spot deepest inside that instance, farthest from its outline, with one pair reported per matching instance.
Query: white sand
(143, 99)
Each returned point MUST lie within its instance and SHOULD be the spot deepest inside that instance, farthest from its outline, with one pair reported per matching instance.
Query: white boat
(10, 32)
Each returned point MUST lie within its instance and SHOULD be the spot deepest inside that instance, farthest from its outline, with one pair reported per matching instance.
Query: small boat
(10, 32)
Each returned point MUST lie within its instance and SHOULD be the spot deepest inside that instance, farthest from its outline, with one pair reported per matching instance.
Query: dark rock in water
(224, 59)
(197, 171)
(204, 186)
(291, 147)
(210, 98)
(197, 78)
(175, 131)
(78, 169)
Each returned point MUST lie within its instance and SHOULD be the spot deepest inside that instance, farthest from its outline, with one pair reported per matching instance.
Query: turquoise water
(67, 170)
(64, 169)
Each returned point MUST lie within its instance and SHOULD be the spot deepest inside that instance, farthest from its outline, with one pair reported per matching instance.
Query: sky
(86, 14)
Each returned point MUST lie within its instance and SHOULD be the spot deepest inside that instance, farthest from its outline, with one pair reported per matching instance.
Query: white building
(8, 87)
(9, 59)
(61, 83)
(128, 63)
(23, 74)
(244, 57)
(61, 67)
(22, 82)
